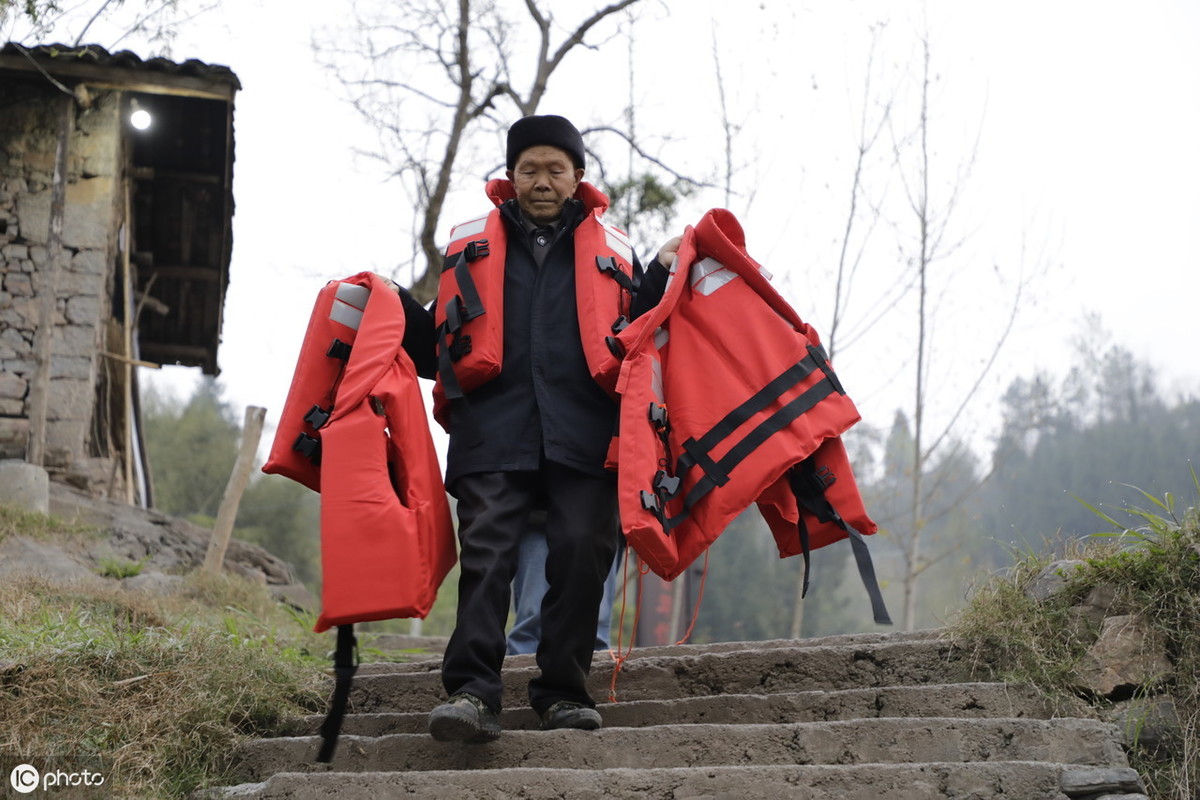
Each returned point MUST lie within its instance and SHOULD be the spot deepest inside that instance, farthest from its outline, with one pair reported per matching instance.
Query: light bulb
(139, 117)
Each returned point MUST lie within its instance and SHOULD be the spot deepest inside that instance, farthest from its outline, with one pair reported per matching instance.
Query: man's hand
(395, 287)
(666, 253)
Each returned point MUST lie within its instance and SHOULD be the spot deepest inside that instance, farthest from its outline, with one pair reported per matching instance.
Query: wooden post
(678, 601)
(223, 529)
(43, 338)
(127, 339)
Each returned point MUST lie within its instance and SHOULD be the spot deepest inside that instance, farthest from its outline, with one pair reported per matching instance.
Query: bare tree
(107, 23)
(873, 119)
(431, 76)
(925, 229)
(931, 245)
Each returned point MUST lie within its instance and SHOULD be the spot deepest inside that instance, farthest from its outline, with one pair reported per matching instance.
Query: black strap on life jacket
(808, 483)
(453, 344)
(345, 664)
(665, 485)
(716, 472)
(310, 446)
(608, 265)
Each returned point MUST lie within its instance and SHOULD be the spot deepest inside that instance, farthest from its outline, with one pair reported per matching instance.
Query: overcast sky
(1082, 118)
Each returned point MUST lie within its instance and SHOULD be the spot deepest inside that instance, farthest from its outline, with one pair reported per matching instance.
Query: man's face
(544, 178)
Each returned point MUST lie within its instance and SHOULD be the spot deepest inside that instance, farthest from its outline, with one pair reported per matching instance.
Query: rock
(83, 310)
(1052, 580)
(152, 582)
(14, 435)
(25, 486)
(297, 596)
(167, 544)
(12, 387)
(1082, 780)
(90, 474)
(21, 556)
(1148, 723)
(1087, 618)
(1128, 654)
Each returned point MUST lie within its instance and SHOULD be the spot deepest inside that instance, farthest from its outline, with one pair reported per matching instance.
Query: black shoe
(464, 718)
(569, 714)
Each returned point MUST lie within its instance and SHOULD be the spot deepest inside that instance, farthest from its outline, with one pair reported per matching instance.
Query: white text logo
(24, 779)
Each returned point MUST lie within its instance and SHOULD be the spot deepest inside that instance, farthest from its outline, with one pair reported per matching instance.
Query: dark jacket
(544, 401)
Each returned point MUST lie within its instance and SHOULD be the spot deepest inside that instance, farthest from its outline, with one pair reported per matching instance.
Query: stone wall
(28, 130)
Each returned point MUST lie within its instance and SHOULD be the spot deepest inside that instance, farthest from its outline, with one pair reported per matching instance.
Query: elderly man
(528, 297)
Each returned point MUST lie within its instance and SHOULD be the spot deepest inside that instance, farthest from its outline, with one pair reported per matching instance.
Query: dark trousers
(582, 535)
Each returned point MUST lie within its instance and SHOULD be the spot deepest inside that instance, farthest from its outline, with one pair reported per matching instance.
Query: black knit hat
(548, 129)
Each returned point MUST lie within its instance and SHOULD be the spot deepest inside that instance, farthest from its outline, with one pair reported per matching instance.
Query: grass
(121, 568)
(1152, 567)
(42, 527)
(157, 690)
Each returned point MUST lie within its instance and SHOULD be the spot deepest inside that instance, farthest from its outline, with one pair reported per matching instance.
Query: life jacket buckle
(620, 324)
(339, 349)
(476, 249)
(667, 484)
(650, 501)
(658, 416)
(309, 447)
(615, 347)
(460, 346)
(317, 417)
(822, 478)
(607, 264)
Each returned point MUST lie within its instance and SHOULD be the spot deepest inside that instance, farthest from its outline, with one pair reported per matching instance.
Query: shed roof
(123, 69)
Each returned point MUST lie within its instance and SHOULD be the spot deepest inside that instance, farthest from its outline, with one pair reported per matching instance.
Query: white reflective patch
(353, 294)
(656, 380)
(465, 230)
(708, 275)
(346, 314)
(618, 244)
(661, 337)
(617, 232)
(670, 274)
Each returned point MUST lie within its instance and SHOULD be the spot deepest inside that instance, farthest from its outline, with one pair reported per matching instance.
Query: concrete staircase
(896, 716)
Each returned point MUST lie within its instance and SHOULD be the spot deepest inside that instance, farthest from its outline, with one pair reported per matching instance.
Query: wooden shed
(115, 223)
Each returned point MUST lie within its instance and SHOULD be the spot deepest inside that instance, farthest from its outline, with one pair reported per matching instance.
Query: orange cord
(699, 599)
(617, 656)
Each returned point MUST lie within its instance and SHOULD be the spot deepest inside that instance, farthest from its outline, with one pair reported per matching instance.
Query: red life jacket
(470, 304)
(727, 399)
(354, 428)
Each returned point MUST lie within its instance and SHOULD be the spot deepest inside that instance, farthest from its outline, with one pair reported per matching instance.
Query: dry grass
(43, 527)
(154, 689)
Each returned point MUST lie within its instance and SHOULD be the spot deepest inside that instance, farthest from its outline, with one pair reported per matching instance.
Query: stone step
(421, 663)
(964, 700)
(997, 780)
(759, 671)
(892, 740)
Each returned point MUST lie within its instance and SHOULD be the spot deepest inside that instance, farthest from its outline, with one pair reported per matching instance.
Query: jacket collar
(500, 190)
